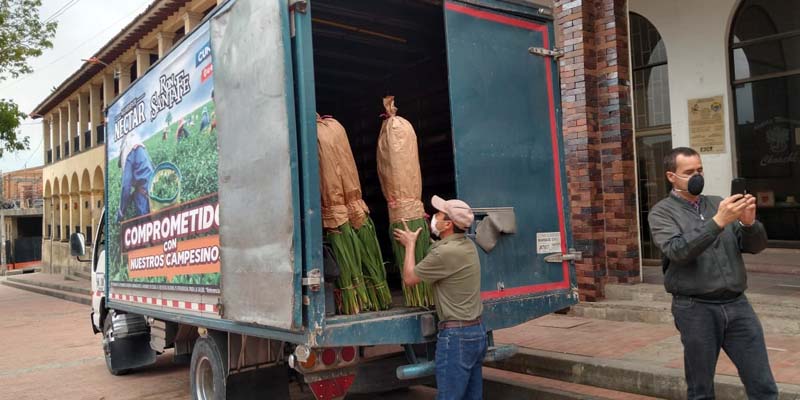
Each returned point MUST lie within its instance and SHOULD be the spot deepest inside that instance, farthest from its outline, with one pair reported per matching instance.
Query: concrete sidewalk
(629, 343)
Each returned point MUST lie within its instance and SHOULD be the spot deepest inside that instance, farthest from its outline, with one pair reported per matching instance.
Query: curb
(501, 385)
(53, 286)
(13, 272)
(624, 376)
(75, 298)
(775, 319)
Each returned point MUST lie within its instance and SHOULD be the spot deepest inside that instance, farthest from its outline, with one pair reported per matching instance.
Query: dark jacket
(699, 258)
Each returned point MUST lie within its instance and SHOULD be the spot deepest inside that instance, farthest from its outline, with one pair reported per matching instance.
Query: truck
(216, 251)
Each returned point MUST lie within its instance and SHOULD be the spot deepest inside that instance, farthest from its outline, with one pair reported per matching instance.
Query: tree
(22, 35)
(10, 117)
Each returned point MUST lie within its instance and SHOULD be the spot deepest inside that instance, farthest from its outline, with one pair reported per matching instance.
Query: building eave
(126, 39)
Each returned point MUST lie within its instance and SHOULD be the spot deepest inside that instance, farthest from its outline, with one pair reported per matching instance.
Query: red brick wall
(598, 135)
(22, 185)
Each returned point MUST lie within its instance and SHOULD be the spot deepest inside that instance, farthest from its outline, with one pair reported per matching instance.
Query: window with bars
(650, 78)
(101, 134)
(87, 139)
(652, 117)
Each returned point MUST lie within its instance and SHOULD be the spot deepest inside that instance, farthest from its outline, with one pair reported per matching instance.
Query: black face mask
(696, 183)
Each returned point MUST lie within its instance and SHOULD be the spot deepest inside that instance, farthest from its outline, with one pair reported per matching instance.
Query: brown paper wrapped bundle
(398, 166)
(340, 186)
(401, 182)
(345, 217)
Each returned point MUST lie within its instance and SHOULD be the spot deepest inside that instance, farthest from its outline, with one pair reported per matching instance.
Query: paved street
(48, 352)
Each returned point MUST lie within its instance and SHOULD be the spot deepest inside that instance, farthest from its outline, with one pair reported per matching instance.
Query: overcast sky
(82, 29)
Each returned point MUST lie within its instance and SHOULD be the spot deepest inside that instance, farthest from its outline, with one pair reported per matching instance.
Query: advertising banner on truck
(163, 212)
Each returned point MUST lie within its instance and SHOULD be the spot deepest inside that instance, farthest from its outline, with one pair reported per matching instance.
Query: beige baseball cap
(458, 211)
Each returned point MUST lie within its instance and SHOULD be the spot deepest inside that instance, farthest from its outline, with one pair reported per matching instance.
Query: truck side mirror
(77, 244)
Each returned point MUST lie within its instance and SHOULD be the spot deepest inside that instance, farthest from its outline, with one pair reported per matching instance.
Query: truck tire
(207, 371)
(107, 326)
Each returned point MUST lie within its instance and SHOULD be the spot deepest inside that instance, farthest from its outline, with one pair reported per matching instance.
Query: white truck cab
(98, 277)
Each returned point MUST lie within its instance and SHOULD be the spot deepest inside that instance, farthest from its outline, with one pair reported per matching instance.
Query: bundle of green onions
(421, 294)
(373, 268)
(345, 217)
(401, 182)
(353, 296)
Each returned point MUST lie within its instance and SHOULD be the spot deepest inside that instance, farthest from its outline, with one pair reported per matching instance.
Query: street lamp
(95, 61)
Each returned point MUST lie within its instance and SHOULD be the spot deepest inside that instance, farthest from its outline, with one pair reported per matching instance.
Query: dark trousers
(734, 327)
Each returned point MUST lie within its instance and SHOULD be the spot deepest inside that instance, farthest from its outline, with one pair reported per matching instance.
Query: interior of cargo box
(365, 50)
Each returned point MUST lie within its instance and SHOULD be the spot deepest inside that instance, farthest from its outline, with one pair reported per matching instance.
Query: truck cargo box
(213, 154)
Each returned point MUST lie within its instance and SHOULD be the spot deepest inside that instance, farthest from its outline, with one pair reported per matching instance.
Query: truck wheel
(107, 335)
(207, 372)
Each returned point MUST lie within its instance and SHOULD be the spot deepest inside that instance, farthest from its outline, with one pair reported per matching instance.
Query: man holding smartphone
(702, 239)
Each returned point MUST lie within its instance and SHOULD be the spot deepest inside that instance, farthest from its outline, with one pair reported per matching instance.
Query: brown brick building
(20, 217)
(22, 187)
(635, 76)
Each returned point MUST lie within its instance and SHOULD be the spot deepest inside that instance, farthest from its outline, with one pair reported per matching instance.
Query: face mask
(433, 226)
(695, 184)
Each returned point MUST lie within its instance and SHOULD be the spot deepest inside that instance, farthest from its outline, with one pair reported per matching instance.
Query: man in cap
(453, 268)
(137, 172)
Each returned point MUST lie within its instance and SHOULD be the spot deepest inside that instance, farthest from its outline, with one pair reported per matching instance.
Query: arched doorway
(652, 128)
(765, 79)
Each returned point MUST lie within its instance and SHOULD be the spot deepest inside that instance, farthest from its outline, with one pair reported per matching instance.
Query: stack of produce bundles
(401, 181)
(348, 227)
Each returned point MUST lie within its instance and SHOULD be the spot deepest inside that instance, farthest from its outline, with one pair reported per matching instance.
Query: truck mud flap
(131, 352)
(254, 384)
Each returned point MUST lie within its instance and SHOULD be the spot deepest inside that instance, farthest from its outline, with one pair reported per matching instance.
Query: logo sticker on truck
(202, 54)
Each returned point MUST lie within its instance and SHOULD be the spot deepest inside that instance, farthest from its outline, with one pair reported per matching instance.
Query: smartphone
(738, 186)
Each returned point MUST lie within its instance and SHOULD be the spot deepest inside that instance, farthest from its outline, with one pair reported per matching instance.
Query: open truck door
(258, 175)
(507, 144)
(221, 190)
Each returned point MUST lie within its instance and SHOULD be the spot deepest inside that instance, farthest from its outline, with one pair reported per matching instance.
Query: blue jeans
(734, 327)
(459, 359)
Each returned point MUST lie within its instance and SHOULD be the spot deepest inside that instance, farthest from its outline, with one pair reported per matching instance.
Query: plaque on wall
(707, 125)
